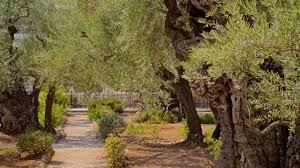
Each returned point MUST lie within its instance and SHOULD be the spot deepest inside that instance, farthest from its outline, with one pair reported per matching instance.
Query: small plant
(184, 130)
(111, 123)
(35, 142)
(214, 146)
(155, 116)
(207, 119)
(115, 148)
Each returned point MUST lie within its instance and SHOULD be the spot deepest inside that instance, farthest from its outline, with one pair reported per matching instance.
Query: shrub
(61, 101)
(99, 112)
(155, 116)
(97, 108)
(35, 142)
(115, 148)
(111, 123)
(207, 119)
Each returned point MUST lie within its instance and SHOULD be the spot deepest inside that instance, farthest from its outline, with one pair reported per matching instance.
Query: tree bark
(48, 111)
(16, 112)
(244, 145)
(184, 95)
(35, 101)
(217, 132)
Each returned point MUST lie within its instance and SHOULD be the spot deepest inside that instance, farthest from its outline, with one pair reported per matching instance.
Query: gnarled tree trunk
(16, 111)
(244, 145)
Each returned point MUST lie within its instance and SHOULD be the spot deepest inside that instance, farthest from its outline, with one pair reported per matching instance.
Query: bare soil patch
(165, 149)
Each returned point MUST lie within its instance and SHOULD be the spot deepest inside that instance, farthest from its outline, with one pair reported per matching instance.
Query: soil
(167, 151)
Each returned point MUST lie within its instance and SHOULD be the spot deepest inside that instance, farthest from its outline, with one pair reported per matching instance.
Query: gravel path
(81, 148)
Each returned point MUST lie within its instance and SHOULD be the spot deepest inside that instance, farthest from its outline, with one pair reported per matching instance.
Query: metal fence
(131, 100)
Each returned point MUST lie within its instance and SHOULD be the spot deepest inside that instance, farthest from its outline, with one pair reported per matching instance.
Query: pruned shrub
(115, 148)
(111, 123)
(97, 108)
(207, 119)
(35, 142)
(155, 116)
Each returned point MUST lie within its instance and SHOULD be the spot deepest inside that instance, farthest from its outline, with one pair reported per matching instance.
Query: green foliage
(111, 123)
(214, 146)
(61, 101)
(135, 128)
(35, 142)
(207, 118)
(242, 47)
(184, 130)
(155, 116)
(97, 108)
(115, 148)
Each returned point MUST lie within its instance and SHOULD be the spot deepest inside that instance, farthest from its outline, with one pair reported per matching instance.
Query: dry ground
(167, 152)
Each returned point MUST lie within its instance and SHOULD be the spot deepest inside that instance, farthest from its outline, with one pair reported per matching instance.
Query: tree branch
(275, 124)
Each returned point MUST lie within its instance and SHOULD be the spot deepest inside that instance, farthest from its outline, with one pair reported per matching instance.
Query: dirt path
(81, 148)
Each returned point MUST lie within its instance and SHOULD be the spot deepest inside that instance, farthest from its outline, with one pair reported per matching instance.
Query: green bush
(97, 108)
(61, 101)
(111, 123)
(99, 112)
(207, 119)
(155, 116)
(115, 148)
(35, 142)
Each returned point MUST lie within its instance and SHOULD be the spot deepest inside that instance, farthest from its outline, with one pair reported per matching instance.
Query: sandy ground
(81, 148)
(166, 152)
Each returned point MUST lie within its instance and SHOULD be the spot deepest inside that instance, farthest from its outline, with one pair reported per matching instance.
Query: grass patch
(142, 128)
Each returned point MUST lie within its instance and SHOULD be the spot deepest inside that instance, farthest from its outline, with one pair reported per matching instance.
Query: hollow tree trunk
(184, 95)
(48, 111)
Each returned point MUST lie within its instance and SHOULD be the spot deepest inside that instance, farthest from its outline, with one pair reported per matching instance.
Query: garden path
(80, 148)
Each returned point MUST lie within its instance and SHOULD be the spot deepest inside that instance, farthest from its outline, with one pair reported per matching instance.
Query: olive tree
(248, 69)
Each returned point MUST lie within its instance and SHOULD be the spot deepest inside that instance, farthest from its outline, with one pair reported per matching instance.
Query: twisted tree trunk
(16, 112)
(244, 145)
